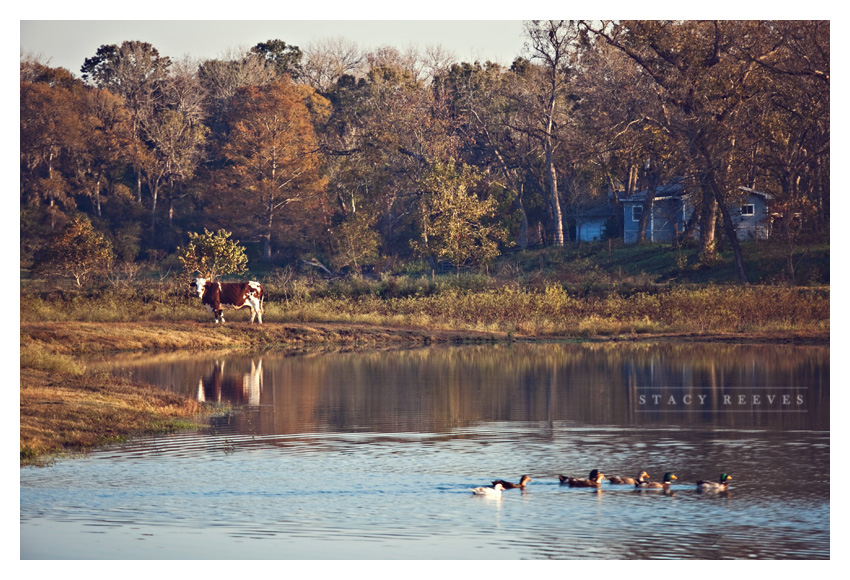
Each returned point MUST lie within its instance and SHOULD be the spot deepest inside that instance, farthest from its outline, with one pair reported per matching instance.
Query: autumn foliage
(77, 251)
(270, 177)
(363, 158)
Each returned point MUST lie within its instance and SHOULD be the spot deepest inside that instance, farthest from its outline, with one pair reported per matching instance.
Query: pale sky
(65, 34)
(67, 43)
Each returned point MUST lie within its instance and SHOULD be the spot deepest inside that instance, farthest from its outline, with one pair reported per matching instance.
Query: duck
(593, 480)
(616, 480)
(495, 491)
(721, 485)
(665, 484)
(508, 485)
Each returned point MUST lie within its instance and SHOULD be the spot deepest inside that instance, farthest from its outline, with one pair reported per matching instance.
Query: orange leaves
(272, 159)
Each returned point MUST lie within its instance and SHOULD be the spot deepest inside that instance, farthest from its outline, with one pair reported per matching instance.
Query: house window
(637, 211)
(748, 209)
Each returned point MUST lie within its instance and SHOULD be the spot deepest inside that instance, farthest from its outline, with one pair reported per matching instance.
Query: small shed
(592, 223)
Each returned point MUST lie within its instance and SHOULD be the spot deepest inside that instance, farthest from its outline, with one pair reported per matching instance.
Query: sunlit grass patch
(77, 411)
(37, 357)
(575, 298)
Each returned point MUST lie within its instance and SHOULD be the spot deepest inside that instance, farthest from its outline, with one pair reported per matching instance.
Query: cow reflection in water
(240, 388)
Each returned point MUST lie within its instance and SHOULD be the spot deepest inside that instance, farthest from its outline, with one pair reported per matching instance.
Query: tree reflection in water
(442, 388)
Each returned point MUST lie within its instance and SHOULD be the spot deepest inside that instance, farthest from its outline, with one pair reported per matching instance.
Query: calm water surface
(370, 455)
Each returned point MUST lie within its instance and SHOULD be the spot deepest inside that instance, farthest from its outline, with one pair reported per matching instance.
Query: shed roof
(598, 211)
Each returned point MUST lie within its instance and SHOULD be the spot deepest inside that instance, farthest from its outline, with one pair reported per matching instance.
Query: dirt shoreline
(78, 338)
(64, 412)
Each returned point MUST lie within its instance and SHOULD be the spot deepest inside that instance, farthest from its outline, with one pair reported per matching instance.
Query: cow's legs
(254, 305)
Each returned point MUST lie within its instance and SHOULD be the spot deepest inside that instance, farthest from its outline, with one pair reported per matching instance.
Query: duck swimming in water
(495, 491)
(616, 480)
(593, 480)
(668, 479)
(721, 485)
(508, 485)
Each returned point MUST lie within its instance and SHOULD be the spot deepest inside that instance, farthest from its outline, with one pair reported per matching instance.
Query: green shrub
(210, 255)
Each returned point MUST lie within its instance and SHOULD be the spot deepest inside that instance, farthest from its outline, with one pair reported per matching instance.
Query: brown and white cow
(218, 295)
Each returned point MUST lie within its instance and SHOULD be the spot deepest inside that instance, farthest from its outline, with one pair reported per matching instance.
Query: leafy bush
(210, 255)
(77, 251)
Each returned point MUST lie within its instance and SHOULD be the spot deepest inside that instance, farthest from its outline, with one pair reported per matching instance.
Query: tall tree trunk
(97, 198)
(645, 216)
(708, 216)
(554, 201)
(523, 223)
(690, 227)
(729, 229)
(267, 248)
(52, 193)
(648, 205)
(267, 239)
(154, 197)
(823, 206)
(551, 175)
(633, 175)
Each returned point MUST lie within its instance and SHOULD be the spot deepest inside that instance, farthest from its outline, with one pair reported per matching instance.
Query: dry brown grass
(61, 414)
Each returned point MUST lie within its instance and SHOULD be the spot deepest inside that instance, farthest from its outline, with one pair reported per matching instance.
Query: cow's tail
(262, 298)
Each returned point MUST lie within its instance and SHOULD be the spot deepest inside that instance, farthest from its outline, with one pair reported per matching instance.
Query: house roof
(598, 211)
(754, 192)
(674, 189)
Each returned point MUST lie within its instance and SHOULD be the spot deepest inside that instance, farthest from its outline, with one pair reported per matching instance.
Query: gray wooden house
(752, 219)
(670, 212)
(674, 205)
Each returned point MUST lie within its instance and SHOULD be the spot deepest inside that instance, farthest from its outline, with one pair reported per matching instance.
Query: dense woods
(367, 159)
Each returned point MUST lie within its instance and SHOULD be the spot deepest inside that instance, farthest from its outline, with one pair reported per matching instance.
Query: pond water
(371, 455)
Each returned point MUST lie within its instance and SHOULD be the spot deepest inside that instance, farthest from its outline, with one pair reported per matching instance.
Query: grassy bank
(66, 409)
(466, 304)
(554, 312)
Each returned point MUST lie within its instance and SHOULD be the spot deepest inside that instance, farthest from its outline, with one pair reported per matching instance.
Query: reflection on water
(436, 389)
(371, 455)
(240, 386)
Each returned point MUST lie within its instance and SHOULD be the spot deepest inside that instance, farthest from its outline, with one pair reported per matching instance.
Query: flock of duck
(642, 481)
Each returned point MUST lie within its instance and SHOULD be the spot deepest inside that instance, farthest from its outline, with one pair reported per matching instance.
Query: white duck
(495, 491)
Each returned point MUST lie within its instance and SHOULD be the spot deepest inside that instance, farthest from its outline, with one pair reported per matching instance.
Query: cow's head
(199, 285)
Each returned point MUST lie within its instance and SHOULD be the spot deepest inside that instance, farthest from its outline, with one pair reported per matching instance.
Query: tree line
(365, 157)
